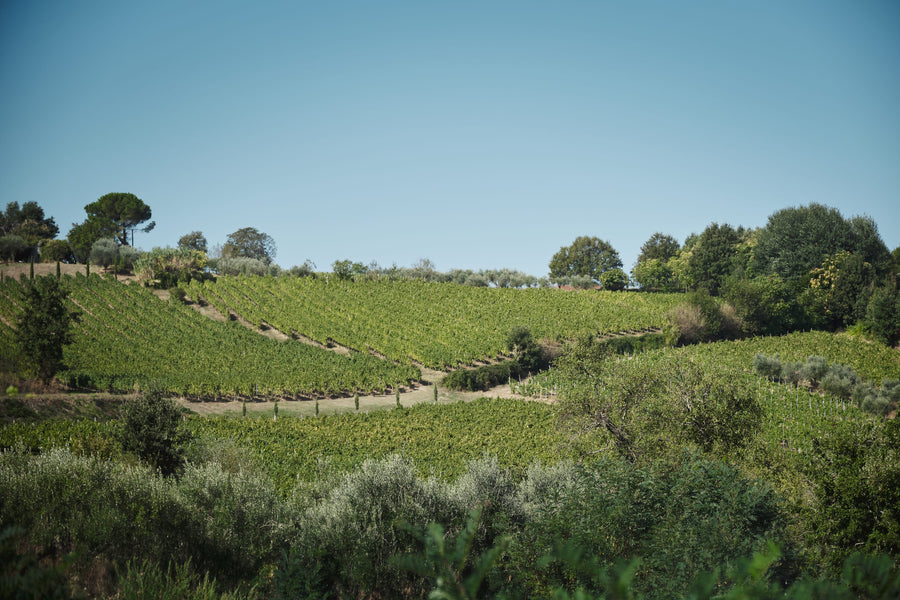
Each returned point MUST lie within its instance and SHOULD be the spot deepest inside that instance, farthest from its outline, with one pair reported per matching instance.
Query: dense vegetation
(691, 458)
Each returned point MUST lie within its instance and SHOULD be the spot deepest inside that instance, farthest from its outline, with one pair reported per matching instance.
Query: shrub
(348, 538)
(56, 251)
(127, 257)
(814, 369)
(165, 267)
(836, 385)
(177, 295)
(482, 378)
(768, 366)
(242, 265)
(614, 510)
(244, 524)
(790, 373)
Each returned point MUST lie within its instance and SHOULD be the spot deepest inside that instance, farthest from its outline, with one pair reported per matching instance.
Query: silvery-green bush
(241, 265)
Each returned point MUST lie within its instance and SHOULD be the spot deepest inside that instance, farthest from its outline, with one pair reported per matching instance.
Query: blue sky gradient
(475, 134)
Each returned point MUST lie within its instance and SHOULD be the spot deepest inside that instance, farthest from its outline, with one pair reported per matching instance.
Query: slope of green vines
(128, 337)
(441, 439)
(437, 325)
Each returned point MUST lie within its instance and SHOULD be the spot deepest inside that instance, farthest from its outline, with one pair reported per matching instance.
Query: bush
(790, 373)
(814, 369)
(177, 295)
(228, 524)
(127, 257)
(482, 378)
(242, 265)
(104, 252)
(768, 366)
(836, 385)
(165, 267)
(347, 540)
(701, 319)
(614, 510)
(56, 251)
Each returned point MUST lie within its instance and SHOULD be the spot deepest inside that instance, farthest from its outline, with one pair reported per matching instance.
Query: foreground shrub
(347, 539)
(227, 524)
(683, 519)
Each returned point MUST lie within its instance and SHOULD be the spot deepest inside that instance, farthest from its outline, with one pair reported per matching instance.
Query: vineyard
(437, 325)
(127, 337)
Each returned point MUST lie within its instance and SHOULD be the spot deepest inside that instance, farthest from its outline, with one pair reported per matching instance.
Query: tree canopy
(118, 213)
(27, 223)
(249, 242)
(659, 247)
(43, 328)
(711, 259)
(82, 237)
(194, 240)
(585, 257)
(798, 239)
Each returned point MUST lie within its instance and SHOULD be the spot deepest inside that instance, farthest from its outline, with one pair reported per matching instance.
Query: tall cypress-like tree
(44, 327)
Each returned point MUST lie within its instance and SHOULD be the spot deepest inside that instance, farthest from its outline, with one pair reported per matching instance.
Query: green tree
(118, 213)
(654, 274)
(150, 428)
(44, 327)
(12, 246)
(797, 240)
(867, 243)
(104, 252)
(249, 242)
(193, 241)
(29, 223)
(659, 247)
(82, 237)
(526, 350)
(711, 258)
(613, 280)
(883, 315)
(585, 257)
(764, 305)
(345, 270)
(651, 408)
(56, 251)
(839, 290)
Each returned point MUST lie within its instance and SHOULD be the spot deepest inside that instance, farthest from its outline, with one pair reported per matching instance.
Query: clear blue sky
(476, 134)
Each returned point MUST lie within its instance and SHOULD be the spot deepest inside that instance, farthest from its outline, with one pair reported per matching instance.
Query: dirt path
(307, 408)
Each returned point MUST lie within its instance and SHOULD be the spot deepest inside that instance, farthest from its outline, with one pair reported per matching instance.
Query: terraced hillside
(436, 325)
(129, 337)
